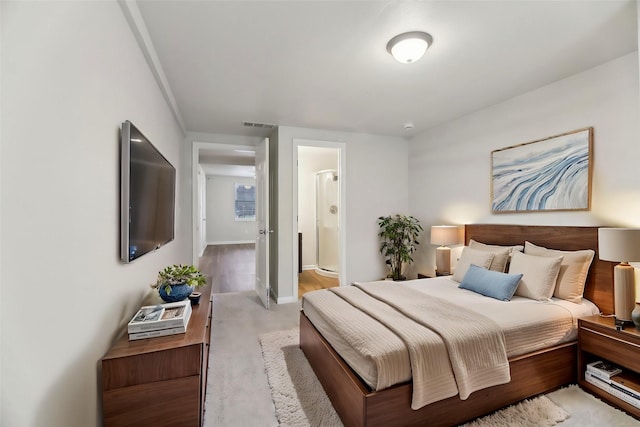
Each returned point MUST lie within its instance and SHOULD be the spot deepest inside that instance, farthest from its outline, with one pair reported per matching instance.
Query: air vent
(258, 125)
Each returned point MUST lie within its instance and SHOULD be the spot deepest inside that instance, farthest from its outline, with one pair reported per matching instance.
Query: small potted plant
(398, 240)
(177, 282)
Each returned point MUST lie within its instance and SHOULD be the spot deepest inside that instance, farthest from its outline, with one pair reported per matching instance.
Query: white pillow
(539, 275)
(502, 254)
(471, 256)
(573, 270)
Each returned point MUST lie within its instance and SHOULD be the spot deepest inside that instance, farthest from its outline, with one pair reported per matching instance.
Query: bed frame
(531, 374)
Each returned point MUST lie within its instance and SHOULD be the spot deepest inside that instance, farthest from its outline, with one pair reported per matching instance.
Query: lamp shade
(619, 244)
(445, 235)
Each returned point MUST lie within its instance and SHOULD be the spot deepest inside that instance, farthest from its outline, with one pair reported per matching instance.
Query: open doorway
(224, 230)
(319, 209)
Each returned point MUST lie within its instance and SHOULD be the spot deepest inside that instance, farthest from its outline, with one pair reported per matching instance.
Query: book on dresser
(628, 382)
(153, 318)
(618, 386)
(603, 370)
(158, 333)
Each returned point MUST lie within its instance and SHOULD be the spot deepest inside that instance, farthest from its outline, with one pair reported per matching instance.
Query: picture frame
(550, 174)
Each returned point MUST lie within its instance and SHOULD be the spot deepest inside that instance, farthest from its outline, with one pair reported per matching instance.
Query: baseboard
(286, 300)
(308, 267)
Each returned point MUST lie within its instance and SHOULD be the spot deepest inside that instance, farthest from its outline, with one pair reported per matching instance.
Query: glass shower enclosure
(327, 222)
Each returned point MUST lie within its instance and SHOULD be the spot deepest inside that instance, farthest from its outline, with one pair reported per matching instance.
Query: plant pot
(195, 298)
(178, 292)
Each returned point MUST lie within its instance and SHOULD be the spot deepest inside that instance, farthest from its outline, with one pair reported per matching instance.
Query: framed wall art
(551, 174)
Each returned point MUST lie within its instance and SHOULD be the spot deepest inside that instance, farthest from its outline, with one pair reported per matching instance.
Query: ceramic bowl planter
(176, 282)
(175, 292)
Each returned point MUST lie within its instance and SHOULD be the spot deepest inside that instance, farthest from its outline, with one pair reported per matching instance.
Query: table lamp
(621, 245)
(444, 235)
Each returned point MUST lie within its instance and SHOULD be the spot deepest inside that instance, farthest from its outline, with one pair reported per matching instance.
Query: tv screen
(147, 191)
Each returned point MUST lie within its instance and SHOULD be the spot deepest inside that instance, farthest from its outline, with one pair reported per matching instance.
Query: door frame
(195, 187)
(342, 213)
(262, 201)
(201, 205)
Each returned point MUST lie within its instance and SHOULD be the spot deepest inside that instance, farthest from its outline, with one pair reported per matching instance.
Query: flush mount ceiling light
(409, 47)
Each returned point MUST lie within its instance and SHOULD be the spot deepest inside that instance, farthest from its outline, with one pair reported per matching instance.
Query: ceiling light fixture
(409, 47)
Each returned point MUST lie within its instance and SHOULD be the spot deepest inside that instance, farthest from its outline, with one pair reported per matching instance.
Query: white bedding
(528, 325)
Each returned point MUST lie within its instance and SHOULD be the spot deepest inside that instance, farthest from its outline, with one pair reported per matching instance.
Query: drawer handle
(610, 337)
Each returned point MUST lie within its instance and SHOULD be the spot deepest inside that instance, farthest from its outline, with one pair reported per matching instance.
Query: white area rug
(300, 400)
(297, 394)
(539, 411)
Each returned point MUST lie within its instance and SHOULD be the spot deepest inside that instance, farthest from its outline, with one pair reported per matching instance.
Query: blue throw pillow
(489, 283)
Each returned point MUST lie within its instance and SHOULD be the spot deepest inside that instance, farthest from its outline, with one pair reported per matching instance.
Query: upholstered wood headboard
(599, 286)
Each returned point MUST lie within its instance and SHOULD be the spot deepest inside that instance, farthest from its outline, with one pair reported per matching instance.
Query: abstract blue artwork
(546, 175)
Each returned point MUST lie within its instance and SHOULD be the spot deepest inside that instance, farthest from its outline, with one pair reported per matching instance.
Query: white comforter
(527, 325)
(451, 350)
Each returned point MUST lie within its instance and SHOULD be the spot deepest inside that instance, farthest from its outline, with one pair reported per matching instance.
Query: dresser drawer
(611, 346)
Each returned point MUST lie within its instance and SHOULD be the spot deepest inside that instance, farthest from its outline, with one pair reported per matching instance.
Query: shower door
(327, 221)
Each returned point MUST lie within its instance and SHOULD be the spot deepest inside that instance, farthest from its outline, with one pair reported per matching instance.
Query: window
(245, 202)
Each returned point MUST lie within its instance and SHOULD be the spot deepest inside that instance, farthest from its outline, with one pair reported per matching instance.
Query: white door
(262, 217)
(202, 209)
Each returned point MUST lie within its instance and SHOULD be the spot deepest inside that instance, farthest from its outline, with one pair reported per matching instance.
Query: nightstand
(598, 339)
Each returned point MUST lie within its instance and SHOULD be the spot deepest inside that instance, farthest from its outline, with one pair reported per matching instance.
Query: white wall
(71, 73)
(1, 236)
(222, 228)
(310, 161)
(377, 184)
(449, 165)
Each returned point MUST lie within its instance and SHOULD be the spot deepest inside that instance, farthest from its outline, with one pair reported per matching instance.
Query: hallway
(232, 268)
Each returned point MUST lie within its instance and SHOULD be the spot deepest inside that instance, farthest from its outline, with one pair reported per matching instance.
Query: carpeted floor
(299, 399)
(238, 392)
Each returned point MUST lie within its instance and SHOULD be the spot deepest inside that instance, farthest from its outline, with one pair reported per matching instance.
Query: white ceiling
(324, 64)
(227, 161)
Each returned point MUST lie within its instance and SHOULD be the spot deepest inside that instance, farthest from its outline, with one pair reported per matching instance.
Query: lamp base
(624, 292)
(443, 261)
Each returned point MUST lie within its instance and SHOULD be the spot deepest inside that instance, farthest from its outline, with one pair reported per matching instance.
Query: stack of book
(160, 320)
(622, 384)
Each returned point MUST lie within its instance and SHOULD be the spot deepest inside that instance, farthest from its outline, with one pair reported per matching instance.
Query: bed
(534, 372)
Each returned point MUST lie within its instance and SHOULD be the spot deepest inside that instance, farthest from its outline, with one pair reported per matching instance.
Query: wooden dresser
(159, 381)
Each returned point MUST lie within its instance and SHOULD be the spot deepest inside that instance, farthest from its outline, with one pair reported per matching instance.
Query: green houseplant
(398, 240)
(176, 282)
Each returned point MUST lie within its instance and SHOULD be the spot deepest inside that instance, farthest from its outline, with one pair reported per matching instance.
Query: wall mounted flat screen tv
(147, 195)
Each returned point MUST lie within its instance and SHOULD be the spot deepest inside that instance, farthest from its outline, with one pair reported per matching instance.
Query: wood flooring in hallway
(232, 268)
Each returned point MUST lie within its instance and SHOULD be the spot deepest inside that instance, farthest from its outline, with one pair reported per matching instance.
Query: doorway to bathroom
(320, 214)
